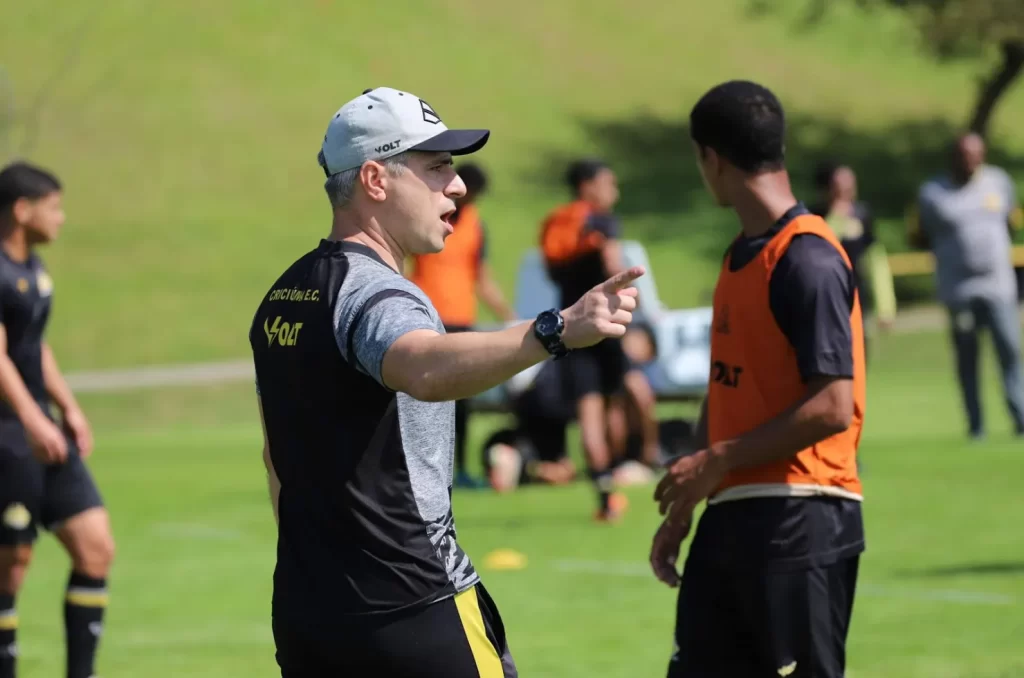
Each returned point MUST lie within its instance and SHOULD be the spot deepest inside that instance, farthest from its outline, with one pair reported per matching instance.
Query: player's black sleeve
(606, 224)
(811, 296)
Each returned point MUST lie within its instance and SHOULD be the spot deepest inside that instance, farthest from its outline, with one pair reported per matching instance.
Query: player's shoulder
(604, 222)
(996, 175)
(809, 257)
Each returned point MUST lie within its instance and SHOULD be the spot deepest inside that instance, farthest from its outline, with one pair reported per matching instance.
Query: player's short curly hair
(744, 123)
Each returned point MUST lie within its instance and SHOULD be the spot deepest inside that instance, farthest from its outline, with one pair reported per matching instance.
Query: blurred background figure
(534, 449)
(853, 223)
(453, 279)
(965, 218)
(580, 243)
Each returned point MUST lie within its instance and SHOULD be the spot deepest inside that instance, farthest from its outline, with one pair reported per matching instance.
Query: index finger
(622, 279)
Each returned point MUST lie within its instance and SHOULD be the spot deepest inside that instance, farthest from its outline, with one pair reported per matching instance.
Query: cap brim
(456, 142)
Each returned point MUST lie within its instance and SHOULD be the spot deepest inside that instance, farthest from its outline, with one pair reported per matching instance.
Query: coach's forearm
(436, 368)
(825, 411)
(14, 391)
(56, 386)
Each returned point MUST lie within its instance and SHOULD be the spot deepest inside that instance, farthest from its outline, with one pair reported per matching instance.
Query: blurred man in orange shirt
(453, 279)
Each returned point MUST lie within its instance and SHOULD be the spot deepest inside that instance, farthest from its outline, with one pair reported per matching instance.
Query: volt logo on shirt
(285, 333)
(726, 375)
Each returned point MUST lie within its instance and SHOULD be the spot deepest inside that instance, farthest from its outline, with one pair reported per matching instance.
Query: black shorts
(34, 494)
(460, 637)
(598, 369)
(785, 615)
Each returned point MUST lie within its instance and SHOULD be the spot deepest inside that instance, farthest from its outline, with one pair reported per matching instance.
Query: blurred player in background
(965, 218)
(580, 245)
(769, 580)
(854, 224)
(43, 479)
(452, 279)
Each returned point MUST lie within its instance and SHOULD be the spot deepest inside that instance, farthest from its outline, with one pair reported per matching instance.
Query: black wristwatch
(548, 329)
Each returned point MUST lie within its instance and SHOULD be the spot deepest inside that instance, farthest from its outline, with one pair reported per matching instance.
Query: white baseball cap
(383, 122)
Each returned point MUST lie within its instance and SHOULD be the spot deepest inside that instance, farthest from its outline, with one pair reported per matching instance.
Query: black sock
(603, 483)
(8, 632)
(84, 604)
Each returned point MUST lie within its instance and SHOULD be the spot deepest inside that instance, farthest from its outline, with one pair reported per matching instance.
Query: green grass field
(187, 132)
(941, 589)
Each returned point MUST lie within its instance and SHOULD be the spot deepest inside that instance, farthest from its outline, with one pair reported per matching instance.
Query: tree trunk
(996, 86)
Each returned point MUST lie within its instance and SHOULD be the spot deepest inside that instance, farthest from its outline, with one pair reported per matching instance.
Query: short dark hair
(744, 123)
(473, 176)
(823, 173)
(582, 171)
(22, 180)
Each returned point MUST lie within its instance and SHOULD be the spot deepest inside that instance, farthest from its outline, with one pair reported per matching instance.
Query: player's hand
(689, 480)
(46, 440)
(665, 550)
(77, 427)
(603, 312)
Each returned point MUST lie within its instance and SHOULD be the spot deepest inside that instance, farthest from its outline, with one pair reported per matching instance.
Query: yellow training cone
(505, 559)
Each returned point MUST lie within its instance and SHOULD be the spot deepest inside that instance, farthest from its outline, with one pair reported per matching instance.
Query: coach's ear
(373, 177)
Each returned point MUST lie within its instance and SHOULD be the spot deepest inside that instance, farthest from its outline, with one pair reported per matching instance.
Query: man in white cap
(356, 380)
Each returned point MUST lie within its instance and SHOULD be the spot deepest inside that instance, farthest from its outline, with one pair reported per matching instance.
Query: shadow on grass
(663, 196)
(994, 569)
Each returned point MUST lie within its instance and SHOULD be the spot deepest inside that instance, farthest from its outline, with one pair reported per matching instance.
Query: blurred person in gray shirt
(965, 219)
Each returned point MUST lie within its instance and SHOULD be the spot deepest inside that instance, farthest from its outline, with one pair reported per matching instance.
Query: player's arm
(46, 439)
(811, 298)
(59, 391)
(392, 339)
(1015, 219)
(13, 388)
(273, 483)
(56, 386)
(611, 251)
(490, 294)
(487, 287)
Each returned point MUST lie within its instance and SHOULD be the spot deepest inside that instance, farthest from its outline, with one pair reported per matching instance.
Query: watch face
(547, 323)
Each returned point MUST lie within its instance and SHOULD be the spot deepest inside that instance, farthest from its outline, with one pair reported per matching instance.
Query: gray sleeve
(368, 321)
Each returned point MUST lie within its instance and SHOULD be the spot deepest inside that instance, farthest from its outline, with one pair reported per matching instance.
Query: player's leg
(707, 643)
(503, 459)
(74, 512)
(618, 428)
(14, 561)
(642, 398)
(965, 344)
(801, 619)
(548, 437)
(21, 486)
(583, 371)
(1003, 319)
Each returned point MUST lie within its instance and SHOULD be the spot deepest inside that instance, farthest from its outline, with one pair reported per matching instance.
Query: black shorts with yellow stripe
(459, 637)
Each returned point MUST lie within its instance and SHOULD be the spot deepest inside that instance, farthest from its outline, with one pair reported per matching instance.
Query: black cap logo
(428, 113)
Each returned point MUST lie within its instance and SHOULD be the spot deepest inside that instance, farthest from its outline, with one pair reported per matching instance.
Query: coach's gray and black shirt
(366, 524)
